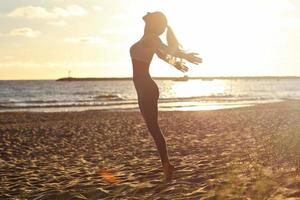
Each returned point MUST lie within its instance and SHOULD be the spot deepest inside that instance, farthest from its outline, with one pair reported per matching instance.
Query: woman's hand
(193, 58)
(181, 66)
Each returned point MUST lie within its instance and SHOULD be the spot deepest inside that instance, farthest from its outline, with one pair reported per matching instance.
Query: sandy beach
(241, 153)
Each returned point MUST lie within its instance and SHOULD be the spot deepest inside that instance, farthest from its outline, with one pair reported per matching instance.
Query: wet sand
(242, 153)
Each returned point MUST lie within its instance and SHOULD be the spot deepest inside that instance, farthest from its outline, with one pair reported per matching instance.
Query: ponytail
(172, 40)
(174, 45)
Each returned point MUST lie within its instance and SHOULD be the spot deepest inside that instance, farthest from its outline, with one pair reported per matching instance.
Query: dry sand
(244, 153)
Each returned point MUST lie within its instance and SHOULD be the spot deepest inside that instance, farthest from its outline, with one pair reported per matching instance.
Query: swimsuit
(141, 53)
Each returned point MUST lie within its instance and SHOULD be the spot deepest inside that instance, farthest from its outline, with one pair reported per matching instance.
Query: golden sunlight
(150, 99)
(194, 88)
(230, 38)
(234, 38)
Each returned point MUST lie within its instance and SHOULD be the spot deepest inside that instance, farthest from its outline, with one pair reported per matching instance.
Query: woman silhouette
(141, 54)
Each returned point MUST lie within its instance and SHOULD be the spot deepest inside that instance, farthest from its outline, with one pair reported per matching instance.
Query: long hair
(174, 45)
(172, 40)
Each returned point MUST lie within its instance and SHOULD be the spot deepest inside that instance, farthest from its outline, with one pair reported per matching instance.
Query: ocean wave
(117, 100)
(108, 100)
(70, 104)
(173, 101)
(28, 101)
(214, 98)
(40, 101)
(79, 93)
(109, 97)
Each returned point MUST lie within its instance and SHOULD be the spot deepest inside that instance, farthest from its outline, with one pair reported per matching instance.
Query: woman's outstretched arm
(190, 57)
(177, 64)
(170, 55)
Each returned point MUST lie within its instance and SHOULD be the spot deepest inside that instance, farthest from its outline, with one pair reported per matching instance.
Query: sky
(45, 39)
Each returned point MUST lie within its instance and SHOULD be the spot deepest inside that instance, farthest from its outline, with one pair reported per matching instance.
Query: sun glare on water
(198, 88)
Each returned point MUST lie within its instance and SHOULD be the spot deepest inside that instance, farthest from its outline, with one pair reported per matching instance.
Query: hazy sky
(43, 39)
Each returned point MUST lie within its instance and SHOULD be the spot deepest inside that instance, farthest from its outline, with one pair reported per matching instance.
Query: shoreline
(238, 153)
(163, 106)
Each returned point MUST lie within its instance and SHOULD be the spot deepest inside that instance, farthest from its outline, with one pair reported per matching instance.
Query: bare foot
(168, 170)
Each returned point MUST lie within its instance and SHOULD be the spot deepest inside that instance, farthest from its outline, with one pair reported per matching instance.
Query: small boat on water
(184, 78)
(207, 79)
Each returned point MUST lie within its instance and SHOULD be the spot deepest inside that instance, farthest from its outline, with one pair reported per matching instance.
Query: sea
(120, 95)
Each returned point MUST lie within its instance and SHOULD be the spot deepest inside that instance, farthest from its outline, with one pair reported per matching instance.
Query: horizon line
(163, 77)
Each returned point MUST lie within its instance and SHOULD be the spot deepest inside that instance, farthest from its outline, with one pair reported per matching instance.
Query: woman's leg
(149, 110)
